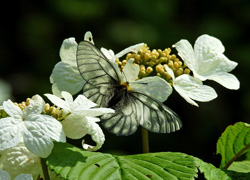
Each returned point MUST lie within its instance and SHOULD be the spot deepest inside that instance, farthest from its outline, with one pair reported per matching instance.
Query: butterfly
(135, 102)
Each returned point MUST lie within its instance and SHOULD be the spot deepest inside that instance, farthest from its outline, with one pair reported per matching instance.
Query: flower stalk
(45, 169)
(145, 142)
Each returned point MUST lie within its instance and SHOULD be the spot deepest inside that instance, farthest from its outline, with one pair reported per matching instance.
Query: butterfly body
(105, 86)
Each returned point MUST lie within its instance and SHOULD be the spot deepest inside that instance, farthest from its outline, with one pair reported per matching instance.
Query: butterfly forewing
(93, 65)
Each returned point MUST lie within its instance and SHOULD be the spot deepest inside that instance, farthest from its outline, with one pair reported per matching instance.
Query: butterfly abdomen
(118, 98)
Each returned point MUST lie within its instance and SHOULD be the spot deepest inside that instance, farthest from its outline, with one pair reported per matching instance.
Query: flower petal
(211, 64)
(88, 37)
(10, 132)
(24, 177)
(11, 109)
(68, 97)
(94, 111)
(110, 55)
(4, 175)
(40, 130)
(170, 72)
(154, 87)
(191, 88)
(36, 106)
(81, 102)
(66, 77)
(73, 126)
(19, 160)
(68, 51)
(130, 71)
(58, 102)
(186, 52)
(96, 134)
(227, 80)
(135, 48)
(206, 44)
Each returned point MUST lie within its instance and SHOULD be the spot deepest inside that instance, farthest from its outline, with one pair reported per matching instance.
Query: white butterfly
(135, 102)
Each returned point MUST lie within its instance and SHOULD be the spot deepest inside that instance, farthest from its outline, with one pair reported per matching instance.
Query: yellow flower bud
(176, 65)
(124, 62)
(186, 71)
(142, 68)
(137, 57)
(170, 64)
(179, 72)
(146, 56)
(129, 55)
(167, 76)
(159, 69)
(149, 70)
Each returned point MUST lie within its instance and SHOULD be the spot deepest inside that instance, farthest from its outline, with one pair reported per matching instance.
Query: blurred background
(32, 33)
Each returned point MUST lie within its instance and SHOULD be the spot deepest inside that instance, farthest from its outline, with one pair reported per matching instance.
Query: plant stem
(145, 143)
(45, 169)
(237, 155)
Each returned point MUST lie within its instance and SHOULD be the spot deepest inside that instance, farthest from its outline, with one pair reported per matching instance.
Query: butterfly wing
(154, 115)
(94, 66)
(98, 72)
(131, 108)
(140, 109)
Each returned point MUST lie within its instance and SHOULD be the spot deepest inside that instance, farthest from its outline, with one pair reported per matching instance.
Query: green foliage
(210, 171)
(74, 163)
(70, 162)
(233, 143)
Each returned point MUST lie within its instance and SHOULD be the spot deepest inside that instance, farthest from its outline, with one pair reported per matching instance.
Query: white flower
(31, 127)
(191, 88)
(82, 119)
(154, 87)
(5, 176)
(65, 75)
(19, 160)
(207, 60)
(112, 57)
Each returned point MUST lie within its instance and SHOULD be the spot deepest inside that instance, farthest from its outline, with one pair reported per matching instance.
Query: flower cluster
(205, 62)
(28, 129)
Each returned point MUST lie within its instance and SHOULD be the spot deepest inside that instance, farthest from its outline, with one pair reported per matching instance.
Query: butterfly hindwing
(125, 119)
(154, 115)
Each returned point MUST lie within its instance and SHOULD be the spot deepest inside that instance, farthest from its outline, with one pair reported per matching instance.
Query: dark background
(32, 33)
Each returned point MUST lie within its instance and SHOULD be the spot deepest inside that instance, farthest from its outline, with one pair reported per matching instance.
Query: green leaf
(73, 163)
(165, 165)
(210, 171)
(70, 162)
(240, 166)
(234, 142)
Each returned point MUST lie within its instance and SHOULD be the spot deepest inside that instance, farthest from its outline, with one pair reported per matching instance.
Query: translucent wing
(94, 66)
(139, 109)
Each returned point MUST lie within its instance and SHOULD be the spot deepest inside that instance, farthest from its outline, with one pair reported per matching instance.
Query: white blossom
(5, 176)
(36, 130)
(154, 87)
(82, 118)
(207, 61)
(191, 88)
(112, 56)
(65, 75)
(19, 160)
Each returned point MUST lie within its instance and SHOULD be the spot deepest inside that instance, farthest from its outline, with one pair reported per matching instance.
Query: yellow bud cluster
(53, 111)
(152, 63)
